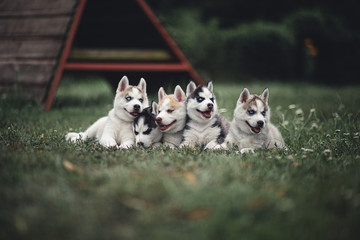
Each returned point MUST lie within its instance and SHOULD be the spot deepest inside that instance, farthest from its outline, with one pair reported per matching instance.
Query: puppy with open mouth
(251, 127)
(205, 127)
(115, 129)
(171, 116)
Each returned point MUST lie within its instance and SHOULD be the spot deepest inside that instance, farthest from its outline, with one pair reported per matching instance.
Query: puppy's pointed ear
(161, 94)
(244, 96)
(190, 88)
(155, 108)
(210, 86)
(123, 84)
(179, 94)
(265, 95)
(142, 85)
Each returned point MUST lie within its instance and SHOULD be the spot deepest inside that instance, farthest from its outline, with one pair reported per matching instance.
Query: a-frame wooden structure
(175, 62)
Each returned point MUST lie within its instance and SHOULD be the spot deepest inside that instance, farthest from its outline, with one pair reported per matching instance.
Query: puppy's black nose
(210, 105)
(137, 107)
(260, 123)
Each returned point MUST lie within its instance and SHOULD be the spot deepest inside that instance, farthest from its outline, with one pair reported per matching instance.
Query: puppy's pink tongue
(206, 114)
(164, 127)
(257, 130)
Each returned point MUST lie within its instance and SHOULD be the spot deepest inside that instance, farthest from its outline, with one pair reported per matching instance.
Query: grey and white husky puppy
(251, 127)
(115, 130)
(205, 127)
(147, 132)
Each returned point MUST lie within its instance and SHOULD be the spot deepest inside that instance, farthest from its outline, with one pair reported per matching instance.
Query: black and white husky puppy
(147, 132)
(205, 127)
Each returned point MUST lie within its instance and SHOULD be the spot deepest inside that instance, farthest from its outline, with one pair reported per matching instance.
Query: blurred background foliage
(314, 40)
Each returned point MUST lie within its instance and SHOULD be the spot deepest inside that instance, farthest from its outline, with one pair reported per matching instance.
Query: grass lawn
(51, 189)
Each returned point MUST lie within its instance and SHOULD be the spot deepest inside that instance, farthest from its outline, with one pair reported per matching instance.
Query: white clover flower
(327, 152)
(299, 112)
(337, 130)
(336, 116)
(314, 126)
(312, 110)
(285, 123)
(307, 150)
(292, 106)
(346, 134)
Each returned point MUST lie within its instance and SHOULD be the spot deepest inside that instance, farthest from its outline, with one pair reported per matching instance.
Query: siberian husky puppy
(172, 116)
(115, 130)
(251, 127)
(205, 127)
(147, 133)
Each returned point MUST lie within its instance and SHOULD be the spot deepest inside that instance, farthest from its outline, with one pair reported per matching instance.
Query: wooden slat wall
(32, 33)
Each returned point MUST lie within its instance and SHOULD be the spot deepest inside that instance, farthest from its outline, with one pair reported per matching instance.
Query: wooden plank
(36, 5)
(29, 48)
(25, 90)
(35, 13)
(42, 26)
(120, 54)
(30, 72)
(152, 67)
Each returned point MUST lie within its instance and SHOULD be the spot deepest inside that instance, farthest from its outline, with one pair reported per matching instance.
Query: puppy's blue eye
(251, 112)
(263, 113)
(128, 98)
(141, 100)
(200, 99)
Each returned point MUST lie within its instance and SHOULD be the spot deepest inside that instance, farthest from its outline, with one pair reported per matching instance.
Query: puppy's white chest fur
(201, 133)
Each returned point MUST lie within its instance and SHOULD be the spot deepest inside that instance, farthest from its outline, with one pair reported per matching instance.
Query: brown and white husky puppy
(172, 116)
(115, 130)
(251, 127)
(205, 127)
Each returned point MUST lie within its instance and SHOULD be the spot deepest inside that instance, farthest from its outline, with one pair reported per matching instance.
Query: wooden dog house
(85, 35)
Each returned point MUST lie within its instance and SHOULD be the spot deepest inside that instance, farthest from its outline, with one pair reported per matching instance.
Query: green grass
(51, 189)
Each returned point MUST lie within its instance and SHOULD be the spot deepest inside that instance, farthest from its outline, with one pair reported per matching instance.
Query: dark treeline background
(316, 40)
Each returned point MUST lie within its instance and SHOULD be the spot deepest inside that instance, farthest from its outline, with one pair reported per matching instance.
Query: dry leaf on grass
(199, 213)
(191, 177)
(72, 167)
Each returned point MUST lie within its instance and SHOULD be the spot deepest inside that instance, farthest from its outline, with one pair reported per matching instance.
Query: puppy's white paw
(170, 145)
(123, 146)
(211, 146)
(73, 137)
(218, 147)
(247, 150)
(156, 145)
(108, 142)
